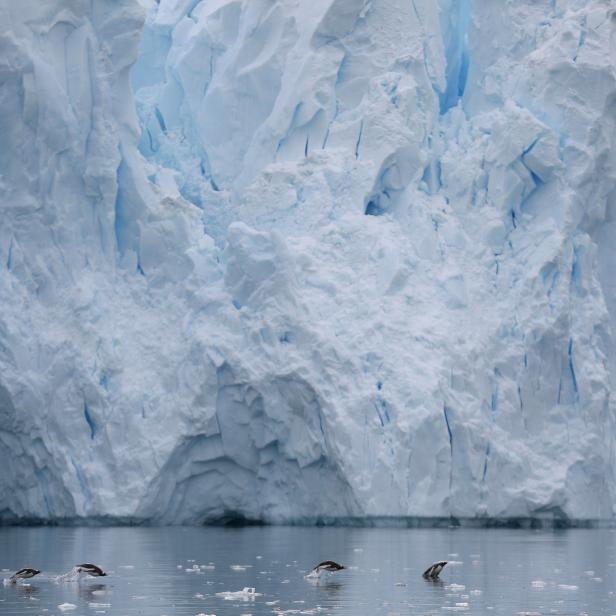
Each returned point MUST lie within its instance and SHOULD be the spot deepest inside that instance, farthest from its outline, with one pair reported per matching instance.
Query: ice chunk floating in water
(246, 594)
(386, 291)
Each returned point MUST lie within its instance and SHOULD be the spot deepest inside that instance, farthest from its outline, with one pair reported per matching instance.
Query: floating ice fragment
(246, 594)
(272, 602)
(455, 587)
(455, 563)
(126, 567)
(199, 596)
(538, 584)
(65, 607)
(589, 573)
(94, 605)
(476, 592)
(567, 587)
(399, 584)
(238, 567)
(358, 549)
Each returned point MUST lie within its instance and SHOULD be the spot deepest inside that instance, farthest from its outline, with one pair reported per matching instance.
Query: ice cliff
(291, 260)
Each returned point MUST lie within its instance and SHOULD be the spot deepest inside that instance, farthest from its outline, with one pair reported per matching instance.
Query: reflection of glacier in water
(497, 571)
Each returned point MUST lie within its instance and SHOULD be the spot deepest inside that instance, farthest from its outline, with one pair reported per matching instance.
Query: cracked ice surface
(290, 260)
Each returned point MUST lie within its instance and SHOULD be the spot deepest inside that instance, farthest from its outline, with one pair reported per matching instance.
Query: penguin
(327, 565)
(433, 571)
(23, 574)
(92, 570)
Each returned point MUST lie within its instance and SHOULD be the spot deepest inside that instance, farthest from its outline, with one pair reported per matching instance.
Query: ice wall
(294, 260)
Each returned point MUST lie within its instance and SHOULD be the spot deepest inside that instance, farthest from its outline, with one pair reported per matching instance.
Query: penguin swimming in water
(92, 570)
(327, 565)
(23, 574)
(433, 571)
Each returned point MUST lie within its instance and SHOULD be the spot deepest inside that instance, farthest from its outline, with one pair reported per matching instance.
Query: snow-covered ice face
(307, 260)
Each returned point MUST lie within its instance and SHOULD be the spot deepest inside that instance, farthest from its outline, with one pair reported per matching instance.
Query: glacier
(295, 261)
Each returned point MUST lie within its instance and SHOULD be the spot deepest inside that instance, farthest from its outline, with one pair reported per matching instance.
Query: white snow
(293, 260)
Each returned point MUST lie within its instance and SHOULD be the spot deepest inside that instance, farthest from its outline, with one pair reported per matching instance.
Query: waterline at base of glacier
(239, 521)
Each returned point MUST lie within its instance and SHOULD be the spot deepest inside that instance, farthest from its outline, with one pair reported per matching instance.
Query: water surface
(178, 571)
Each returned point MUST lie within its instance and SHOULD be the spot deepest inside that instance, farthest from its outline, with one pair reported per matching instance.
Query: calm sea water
(178, 571)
